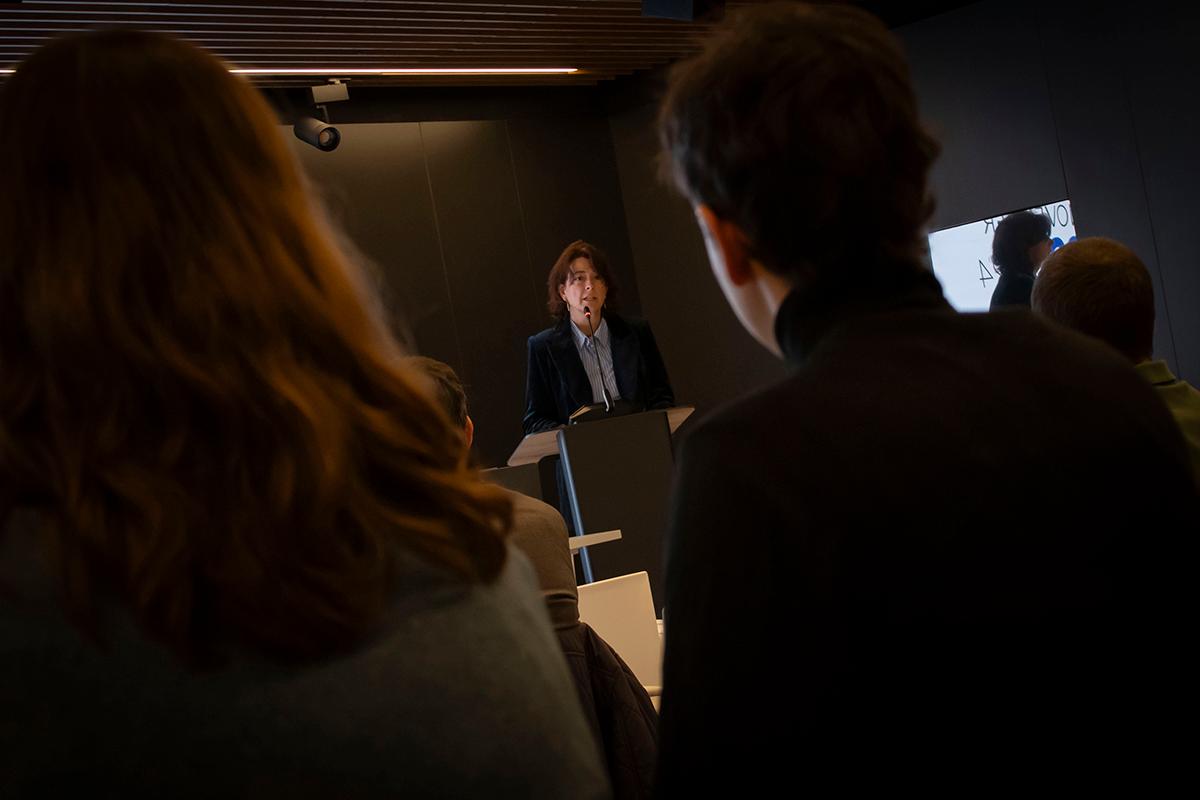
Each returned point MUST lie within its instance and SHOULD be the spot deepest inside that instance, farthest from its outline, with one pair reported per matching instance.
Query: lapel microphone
(608, 403)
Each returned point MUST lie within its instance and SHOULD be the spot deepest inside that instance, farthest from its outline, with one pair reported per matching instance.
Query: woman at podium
(592, 355)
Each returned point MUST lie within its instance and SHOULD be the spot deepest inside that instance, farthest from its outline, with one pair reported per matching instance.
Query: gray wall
(462, 219)
(1033, 102)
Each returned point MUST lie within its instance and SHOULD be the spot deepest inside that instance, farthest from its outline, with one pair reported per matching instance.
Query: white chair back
(621, 610)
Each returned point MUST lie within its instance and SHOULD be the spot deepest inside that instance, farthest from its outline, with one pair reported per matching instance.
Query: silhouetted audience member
(1019, 246)
(617, 707)
(946, 542)
(243, 554)
(1100, 287)
(538, 530)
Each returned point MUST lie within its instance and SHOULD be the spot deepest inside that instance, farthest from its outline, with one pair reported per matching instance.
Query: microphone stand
(608, 403)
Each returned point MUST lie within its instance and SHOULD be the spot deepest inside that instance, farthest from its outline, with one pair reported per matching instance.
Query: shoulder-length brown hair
(562, 270)
(196, 392)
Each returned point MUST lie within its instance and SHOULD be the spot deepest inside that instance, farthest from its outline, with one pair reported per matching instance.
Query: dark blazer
(556, 383)
(1012, 289)
(944, 539)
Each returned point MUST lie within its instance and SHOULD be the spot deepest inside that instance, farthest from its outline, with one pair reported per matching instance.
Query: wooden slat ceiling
(601, 38)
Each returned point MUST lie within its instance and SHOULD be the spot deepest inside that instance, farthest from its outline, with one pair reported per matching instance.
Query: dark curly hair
(799, 124)
(1015, 234)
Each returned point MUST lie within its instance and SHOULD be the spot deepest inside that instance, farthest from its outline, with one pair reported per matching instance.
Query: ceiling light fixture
(320, 135)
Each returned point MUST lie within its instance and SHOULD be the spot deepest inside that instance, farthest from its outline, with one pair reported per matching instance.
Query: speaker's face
(584, 287)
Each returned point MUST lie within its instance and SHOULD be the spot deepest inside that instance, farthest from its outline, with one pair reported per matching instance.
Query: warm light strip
(320, 73)
(409, 71)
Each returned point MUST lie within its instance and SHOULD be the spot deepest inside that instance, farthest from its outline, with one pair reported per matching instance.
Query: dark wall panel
(710, 357)
(1099, 142)
(1076, 99)
(982, 90)
(487, 267)
(460, 220)
(569, 190)
(377, 190)
(1163, 61)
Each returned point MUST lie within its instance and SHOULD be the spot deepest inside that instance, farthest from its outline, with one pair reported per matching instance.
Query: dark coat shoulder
(965, 522)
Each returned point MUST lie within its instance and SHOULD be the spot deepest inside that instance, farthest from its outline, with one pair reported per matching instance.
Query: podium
(617, 475)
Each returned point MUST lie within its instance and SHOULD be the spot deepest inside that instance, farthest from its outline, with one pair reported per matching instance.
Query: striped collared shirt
(584, 345)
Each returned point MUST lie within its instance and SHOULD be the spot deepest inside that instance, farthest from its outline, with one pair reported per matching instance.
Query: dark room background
(462, 198)
(462, 215)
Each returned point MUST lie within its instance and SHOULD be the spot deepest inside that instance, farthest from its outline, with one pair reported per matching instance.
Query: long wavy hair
(198, 394)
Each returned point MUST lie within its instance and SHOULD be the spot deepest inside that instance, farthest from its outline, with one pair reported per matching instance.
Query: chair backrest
(524, 479)
(621, 610)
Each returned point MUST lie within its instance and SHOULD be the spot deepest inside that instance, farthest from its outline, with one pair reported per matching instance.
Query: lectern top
(536, 446)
